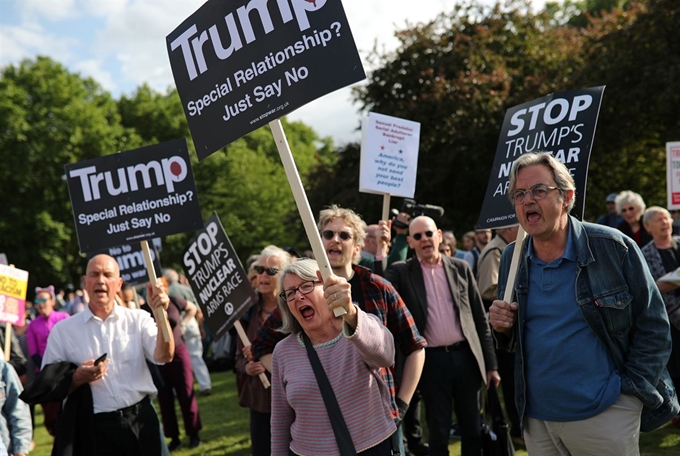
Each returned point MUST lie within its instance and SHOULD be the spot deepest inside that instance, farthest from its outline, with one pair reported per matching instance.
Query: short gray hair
(171, 275)
(305, 270)
(652, 211)
(630, 197)
(560, 173)
(272, 250)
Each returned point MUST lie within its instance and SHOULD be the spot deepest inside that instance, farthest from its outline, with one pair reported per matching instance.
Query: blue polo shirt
(569, 374)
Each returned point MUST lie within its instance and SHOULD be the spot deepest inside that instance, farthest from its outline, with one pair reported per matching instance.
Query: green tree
(636, 53)
(244, 182)
(49, 117)
(456, 76)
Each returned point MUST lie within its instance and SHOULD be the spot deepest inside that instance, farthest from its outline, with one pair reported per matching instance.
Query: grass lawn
(225, 428)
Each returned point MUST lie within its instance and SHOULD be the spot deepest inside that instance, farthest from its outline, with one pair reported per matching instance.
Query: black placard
(131, 262)
(241, 64)
(217, 277)
(561, 123)
(133, 196)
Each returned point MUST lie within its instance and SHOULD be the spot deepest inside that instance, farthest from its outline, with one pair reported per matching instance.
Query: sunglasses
(418, 236)
(270, 271)
(40, 300)
(626, 209)
(330, 234)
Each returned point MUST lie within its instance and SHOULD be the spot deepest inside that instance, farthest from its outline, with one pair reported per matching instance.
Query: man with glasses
(587, 322)
(342, 232)
(442, 295)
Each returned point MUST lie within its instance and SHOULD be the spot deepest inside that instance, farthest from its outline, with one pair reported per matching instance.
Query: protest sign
(389, 155)
(240, 64)
(562, 124)
(133, 196)
(131, 261)
(673, 175)
(13, 284)
(217, 277)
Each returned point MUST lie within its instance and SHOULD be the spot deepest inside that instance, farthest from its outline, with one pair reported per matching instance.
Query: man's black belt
(125, 411)
(450, 348)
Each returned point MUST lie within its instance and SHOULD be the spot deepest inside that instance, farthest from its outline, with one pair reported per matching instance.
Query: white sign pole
(161, 320)
(302, 203)
(514, 265)
(385, 216)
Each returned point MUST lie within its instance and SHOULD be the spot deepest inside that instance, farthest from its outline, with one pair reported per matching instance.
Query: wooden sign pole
(246, 343)
(161, 319)
(302, 203)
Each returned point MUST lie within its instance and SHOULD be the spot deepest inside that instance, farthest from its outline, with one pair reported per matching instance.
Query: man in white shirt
(124, 419)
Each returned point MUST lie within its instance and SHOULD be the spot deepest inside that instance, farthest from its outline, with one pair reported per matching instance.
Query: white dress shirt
(127, 336)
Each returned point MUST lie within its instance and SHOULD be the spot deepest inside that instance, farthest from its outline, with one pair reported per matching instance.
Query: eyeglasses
(270, 271)
(40, 300)
(626, 209)
(304, 288)
(537, 192)
(418, 236)
(330, 234)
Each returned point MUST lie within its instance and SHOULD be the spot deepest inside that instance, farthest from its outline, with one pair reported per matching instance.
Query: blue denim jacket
(621, 303)
(15, 420)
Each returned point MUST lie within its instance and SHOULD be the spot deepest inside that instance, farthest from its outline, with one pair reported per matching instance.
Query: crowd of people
(587, 349)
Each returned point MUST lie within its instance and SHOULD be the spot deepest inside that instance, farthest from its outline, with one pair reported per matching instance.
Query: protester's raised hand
(157, 296)
(338, 293)
(383, 236)
(502, 316)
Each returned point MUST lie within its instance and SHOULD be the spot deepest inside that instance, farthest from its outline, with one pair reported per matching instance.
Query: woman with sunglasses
(252, 394)
(36, 335)
(631, 206)
(352, 350)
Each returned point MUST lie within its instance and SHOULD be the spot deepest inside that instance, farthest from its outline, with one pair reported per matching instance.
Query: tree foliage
(458, 74)
(50, 117)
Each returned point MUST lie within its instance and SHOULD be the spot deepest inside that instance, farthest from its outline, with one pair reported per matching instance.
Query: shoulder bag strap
(340, 430)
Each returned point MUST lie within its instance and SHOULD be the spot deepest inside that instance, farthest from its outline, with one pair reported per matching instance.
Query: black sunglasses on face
(418, 236)
(330, 234)
(270, 271)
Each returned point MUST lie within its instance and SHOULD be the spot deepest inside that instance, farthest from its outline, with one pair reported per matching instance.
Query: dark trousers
(260, 433)
(451, 382)
(179, 376)
(413, 432)
(506, 369)
(132, 432)
(51, 416)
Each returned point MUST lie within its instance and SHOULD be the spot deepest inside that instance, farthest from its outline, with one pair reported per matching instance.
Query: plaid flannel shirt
(380, 299)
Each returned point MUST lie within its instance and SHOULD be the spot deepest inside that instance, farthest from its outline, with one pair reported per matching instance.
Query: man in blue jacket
(588, 323)
(16, 431)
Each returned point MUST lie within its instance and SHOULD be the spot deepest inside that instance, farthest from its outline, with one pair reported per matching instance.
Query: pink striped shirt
(443, 325)
(299, 418)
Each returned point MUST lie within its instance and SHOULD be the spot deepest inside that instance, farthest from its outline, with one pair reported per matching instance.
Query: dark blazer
(645, 237)
(407, 278)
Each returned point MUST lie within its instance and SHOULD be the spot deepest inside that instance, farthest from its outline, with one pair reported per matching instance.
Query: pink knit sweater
(352, 364)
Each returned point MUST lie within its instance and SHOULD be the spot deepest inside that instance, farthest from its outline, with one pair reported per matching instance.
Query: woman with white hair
(351, 350)
(631, 206)
(268, 266)
(663, 256)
